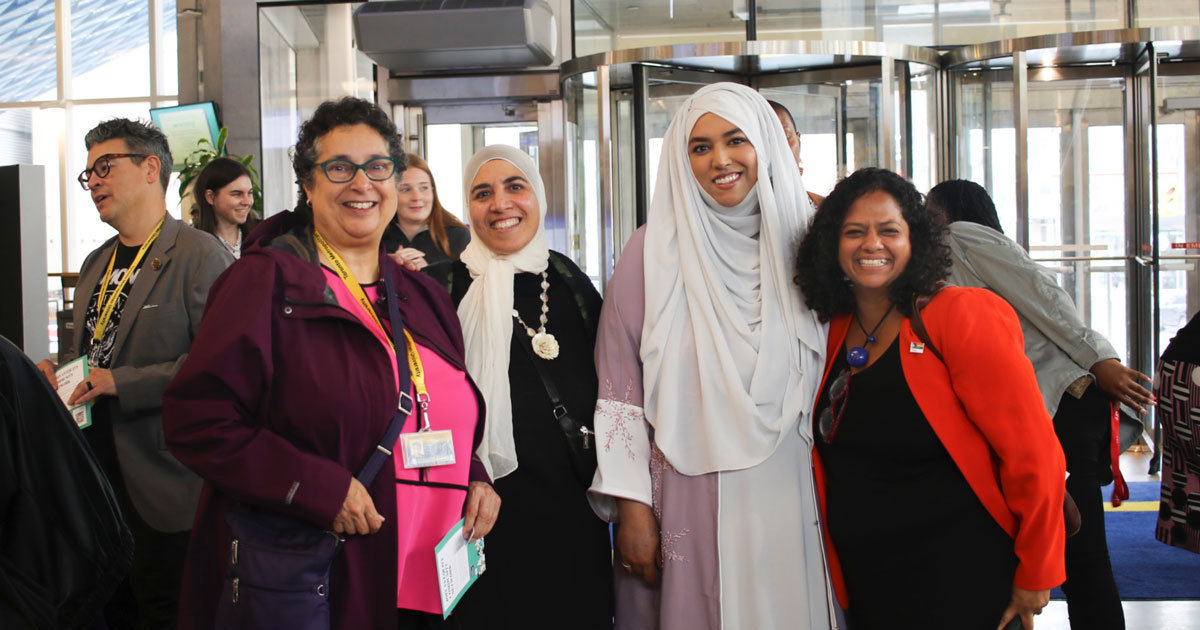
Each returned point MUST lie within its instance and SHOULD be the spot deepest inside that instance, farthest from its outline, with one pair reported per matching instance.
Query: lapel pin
(916, 348)
(156, 264)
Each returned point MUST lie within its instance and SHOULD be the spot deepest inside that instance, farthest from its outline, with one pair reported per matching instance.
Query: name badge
(428, 448)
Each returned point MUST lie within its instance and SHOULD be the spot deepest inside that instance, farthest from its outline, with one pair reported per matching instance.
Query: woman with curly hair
(936, 460)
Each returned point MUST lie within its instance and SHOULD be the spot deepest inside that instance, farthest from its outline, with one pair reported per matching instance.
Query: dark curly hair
(820, 276)
(346, 111)
(963, 200)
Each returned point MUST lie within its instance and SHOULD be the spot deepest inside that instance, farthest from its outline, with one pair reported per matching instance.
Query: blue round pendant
(856, 356)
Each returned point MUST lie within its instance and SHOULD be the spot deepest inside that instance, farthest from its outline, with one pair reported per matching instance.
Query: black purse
(278, 567)
(580, 445)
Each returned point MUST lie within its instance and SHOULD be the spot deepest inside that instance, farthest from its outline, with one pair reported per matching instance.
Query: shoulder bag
(277, 571)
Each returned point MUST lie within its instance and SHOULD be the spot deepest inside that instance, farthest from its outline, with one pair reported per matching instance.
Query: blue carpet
(1143, 567)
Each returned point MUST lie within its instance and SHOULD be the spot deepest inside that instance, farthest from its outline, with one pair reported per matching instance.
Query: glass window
(306, 57)
(923, 113)
(616, 25)
(603, 25)
(29, 65)
(1077, 192)
(31, 136)
(817, 110)
(110, 48)
(985, 140)
(1178, 166)
(168, 50)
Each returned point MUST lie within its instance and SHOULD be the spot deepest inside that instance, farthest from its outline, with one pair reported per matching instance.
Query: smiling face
(722, 159)
(504, 207)
(874, 247)
(415, 198)
(231, 204)
(354, 213)
(127, 189)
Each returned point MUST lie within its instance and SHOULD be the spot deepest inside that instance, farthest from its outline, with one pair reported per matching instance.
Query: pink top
(424, 512)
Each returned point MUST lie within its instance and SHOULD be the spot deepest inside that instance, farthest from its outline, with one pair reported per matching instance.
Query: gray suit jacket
(157, 325)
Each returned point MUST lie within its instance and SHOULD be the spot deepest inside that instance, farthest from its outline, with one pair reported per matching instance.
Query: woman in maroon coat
(291, 383)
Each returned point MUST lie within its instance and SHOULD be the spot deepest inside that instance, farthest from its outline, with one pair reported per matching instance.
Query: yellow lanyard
(106, 310)
(355, 289)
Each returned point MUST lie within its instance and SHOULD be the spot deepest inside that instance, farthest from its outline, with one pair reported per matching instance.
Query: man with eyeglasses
(139, 301)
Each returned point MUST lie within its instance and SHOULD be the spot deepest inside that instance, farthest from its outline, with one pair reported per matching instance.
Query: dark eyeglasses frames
(831, 415)
(340, 171)
(103, 165)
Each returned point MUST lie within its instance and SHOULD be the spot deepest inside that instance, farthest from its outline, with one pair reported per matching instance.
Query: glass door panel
(448, 146)
(1077, 191)
(985, 139)
(838, 116)
(1177, 162)
(817, 109)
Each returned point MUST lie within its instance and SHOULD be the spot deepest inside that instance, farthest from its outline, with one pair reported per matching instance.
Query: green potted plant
(195, 162)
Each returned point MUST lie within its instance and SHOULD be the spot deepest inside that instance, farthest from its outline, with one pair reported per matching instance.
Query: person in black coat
(64, 546)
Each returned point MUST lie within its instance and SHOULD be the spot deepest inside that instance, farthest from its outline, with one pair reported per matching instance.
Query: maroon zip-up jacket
(282, 399)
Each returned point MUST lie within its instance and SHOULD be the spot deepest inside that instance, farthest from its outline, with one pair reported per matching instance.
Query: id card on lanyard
(425, 447)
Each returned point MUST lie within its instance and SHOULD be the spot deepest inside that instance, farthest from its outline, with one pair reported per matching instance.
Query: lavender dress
(741, 549)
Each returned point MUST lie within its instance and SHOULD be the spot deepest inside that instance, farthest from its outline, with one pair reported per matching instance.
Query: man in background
(793, 140)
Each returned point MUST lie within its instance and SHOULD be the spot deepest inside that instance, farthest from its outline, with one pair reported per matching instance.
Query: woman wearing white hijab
(708, 364)
(529, 319)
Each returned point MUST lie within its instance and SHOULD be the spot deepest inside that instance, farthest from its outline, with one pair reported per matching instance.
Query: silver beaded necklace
(544, 344)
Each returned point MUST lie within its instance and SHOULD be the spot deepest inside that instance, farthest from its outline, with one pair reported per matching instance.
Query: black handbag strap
(560, 410)
(384, 450)
(918, 325)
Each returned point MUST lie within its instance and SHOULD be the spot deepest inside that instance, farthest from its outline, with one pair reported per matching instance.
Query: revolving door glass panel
(1178, 175)
(1077, 190)
(817, 110)
(984, 137)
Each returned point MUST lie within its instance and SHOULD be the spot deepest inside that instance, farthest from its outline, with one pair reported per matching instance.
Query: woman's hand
(483, 506)
(358, 515)
(1123, 384)
(1024, 604)
(410, 258)
(638, 543)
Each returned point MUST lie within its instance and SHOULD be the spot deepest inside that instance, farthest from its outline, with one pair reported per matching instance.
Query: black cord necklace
(858, 355)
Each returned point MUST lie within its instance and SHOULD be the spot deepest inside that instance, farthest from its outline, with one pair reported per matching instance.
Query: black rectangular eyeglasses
(103, 165)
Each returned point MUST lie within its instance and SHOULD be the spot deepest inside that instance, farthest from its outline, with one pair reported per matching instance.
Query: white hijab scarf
(486, 310)
(731, 356)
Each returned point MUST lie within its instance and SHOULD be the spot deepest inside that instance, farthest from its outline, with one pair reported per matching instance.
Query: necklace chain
(871, 335)
(544, 344)
(545, 298)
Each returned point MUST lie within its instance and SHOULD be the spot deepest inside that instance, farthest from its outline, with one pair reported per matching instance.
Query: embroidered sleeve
(623, 453)
(622, 434)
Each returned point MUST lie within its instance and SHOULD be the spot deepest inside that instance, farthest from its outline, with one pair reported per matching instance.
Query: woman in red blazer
(940, 479)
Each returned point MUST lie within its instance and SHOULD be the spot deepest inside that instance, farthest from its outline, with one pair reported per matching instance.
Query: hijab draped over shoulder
(486, 311)
(731, 356)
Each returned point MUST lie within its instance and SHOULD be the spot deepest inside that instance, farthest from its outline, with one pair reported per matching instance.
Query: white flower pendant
(545, 345)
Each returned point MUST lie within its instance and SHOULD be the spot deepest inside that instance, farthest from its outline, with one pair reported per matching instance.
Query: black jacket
(64, 547)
